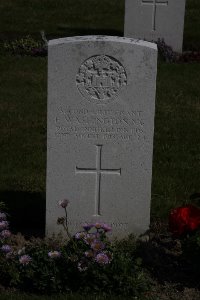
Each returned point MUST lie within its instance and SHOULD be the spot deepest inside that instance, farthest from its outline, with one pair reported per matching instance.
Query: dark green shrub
(123, 275)
(191, 250)
(27, 46)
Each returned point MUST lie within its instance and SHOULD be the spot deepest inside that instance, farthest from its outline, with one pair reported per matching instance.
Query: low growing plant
(85, 262)
(27, 46)
(166, 51)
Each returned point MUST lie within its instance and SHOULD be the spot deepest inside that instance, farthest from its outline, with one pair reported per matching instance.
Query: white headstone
(101, 99)
(156, 19)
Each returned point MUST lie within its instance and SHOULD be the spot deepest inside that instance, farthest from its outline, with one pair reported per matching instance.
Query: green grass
(61, 17)
(10, 296)
(177, 125)
(177, 141)
(78, 17)
(23, 123)
(23, 101)
(192, 25)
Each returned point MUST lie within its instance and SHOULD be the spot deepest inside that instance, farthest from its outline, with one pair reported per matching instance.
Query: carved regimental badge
(100, 79)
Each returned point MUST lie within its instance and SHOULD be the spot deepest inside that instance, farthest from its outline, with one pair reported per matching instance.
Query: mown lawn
(61, 17)
(16, 296)
(23, 101)
(177, 140)
(69, 17)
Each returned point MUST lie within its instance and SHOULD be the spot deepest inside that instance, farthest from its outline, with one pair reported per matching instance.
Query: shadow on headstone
(26, 212)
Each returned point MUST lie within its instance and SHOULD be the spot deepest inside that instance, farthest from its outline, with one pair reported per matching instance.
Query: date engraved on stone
(100, 78)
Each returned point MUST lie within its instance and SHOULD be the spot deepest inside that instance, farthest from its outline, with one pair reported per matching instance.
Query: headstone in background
(101, 100)
(156, 19)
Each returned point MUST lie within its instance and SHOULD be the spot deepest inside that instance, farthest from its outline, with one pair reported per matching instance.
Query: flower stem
(66, 226)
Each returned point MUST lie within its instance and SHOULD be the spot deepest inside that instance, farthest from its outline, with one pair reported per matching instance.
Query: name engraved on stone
(154, 3)
(100, 79)
(98, 171)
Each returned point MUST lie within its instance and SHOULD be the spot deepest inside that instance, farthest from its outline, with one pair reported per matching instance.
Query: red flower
(184, 219)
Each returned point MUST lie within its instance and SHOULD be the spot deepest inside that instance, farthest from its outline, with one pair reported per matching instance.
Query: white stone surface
(101, 100)
(154, 19)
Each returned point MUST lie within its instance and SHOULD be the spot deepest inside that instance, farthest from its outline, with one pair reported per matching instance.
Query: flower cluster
(94, 238)
(170, 56)
(6, 248)
(89, 245)
(185, 219)
(25, 259)
(166, 51)
(4, 234)
(87, 248)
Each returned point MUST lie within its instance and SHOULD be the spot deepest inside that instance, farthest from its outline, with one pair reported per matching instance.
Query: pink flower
(64, 203)
(2, 216)
(87, 226)
(97, 245)
(6, 248)
(102, 258)
(54, 254)
(80, 235)
(3, 225)
(25, 259)
(98, 225)
(5, 233)
(106, 227)
(90, 238)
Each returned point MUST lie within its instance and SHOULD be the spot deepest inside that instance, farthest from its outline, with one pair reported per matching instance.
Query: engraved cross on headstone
(98, 171)
(155, 3)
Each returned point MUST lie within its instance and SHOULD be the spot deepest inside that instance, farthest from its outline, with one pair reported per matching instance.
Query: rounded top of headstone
(102, 38)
